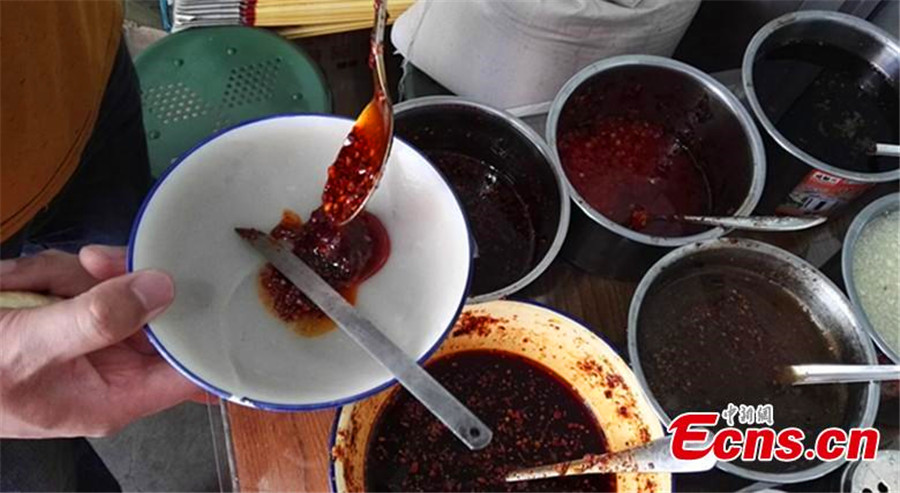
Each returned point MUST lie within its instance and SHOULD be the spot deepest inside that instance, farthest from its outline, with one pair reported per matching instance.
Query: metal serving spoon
(360, 163)
(751, 223)
(887, 150)
(652, 457)
(817, 374)
(437, 399)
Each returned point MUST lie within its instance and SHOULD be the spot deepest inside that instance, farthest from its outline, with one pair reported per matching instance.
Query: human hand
(82, 367)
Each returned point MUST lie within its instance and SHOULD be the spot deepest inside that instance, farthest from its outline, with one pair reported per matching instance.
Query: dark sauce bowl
(759, 308)
(594, 373)
(508, 182)
(704, 117)
(803, 75)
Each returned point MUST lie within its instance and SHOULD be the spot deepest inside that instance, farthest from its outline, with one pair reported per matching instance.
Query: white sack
(511, 53)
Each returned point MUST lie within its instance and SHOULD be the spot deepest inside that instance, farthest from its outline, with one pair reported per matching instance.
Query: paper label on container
(820, 192)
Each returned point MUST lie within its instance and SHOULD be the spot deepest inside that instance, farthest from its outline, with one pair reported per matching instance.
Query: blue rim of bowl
(273, 406)
(332, 439)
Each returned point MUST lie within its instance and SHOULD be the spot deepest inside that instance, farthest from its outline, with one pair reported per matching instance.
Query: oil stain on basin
(583, 382)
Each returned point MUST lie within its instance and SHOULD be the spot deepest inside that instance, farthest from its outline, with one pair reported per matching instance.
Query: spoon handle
(757, 223)
(378, 70)
(447, 408)
(888, 150)
(652, 457)
(816, 374)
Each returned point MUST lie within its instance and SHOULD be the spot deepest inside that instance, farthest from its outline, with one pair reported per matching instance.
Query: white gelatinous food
(876, 275)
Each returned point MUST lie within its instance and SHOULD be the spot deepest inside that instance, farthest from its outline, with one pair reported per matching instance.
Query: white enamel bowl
(219, 335)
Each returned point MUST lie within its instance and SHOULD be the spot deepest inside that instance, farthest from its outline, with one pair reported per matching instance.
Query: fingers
(51, 271)
(60, 273)
(103, 262)
(162, 387)
(140, 343)
(106, 314)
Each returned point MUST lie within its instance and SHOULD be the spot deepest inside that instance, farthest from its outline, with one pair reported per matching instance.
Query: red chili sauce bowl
(640, 138)
(376, 448)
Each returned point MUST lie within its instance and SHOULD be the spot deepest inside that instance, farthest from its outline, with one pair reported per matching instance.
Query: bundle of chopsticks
(290, 18)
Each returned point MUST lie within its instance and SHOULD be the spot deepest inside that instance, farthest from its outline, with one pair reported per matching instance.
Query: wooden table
(279, 451)
(289, 451)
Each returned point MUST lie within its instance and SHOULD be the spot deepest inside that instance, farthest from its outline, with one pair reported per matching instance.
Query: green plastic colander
(200, 81)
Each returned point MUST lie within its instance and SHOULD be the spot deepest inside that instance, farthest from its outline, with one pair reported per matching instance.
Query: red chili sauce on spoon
(343, 247)
(344, 254)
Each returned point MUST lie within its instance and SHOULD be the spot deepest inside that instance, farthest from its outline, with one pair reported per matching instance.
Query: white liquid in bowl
(876, 275)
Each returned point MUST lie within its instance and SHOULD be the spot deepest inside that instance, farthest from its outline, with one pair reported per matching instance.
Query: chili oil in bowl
(548, 387)
(504, 174)
(236, 328)
(641, 138)
(715, 323)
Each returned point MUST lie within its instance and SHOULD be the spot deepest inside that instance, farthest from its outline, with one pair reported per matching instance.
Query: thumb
(106, 314)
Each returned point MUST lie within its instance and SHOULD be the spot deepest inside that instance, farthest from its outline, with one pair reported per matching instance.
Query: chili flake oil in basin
(548, 388)
(632, 170)
(641, 138)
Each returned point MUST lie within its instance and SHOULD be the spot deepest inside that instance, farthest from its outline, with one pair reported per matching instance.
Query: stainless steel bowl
(443, 123)
(718, 130)
(831, 309)
(844, 31)
(877, 208)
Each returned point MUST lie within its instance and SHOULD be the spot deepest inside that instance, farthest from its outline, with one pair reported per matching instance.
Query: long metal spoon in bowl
(820, 374)
(748, 223)
(355, 173)
(437, 399)
(886, 150)
(352, 179)
(652, 457)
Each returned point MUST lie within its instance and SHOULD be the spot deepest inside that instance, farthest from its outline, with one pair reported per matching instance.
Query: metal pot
(512, 148)
(556, 342)
(817, 293)
(707, 118)
(771, 95)
(876, 209)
